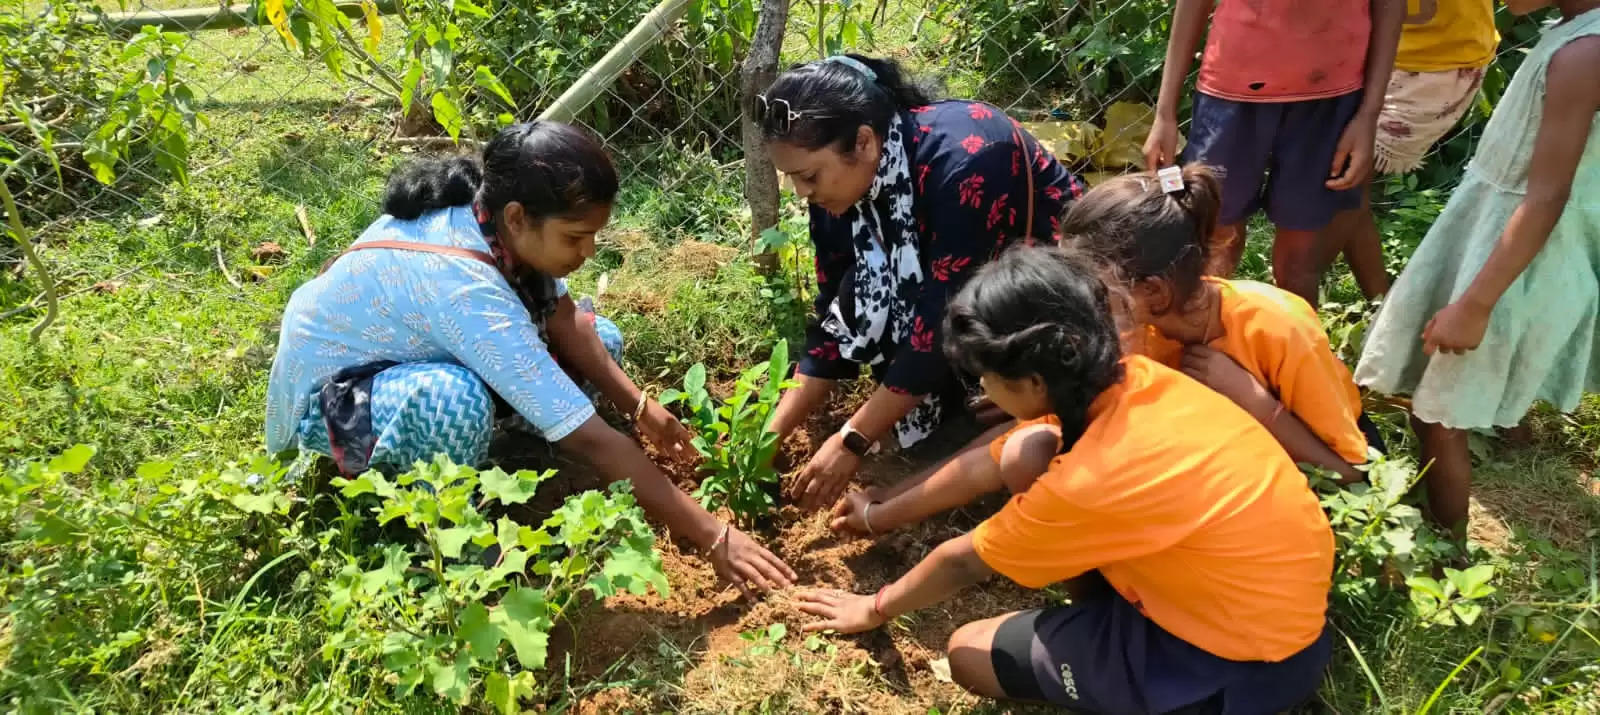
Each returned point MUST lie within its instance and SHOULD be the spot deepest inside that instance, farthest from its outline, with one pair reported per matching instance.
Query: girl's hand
(666, 433)
(826, 475)
(742, 562)
(840, 612)
(1457, 328)
(1216, 370)
(1161, 147)
(850, 514)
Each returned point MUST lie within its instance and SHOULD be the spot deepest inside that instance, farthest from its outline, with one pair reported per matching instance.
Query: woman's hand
(741, 561)
(666, 432)
(1456, 329)
(840, 612)
(850, 514)
(1216, 370)
(826, 475)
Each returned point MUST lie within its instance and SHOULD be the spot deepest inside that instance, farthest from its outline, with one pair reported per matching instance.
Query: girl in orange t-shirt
(1261, 346)
(1215, 554)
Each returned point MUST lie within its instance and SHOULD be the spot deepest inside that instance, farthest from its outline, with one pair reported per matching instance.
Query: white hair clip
(1171, 179)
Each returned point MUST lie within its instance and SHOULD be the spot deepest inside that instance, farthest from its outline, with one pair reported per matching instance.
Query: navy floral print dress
(968, 200)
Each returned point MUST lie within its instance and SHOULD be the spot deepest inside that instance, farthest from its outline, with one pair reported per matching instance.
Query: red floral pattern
(966, 210)
(827, 351)
(997, 210)
(971, 189)
(947, 266)
(921, 336)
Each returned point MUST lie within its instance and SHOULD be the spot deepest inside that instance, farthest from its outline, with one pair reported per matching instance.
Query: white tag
(1171, 179)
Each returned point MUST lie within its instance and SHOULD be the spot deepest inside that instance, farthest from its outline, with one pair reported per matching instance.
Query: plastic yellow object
(1069, 141)
(1122, 143)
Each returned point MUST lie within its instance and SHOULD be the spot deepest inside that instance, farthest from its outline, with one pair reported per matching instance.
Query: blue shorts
(1274, 156)
(1102, 655)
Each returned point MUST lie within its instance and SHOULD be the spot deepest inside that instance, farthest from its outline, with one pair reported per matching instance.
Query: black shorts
(1274, 156)
(1101, 655)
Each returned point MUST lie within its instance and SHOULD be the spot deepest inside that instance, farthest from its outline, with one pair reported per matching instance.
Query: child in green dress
(1498, 306)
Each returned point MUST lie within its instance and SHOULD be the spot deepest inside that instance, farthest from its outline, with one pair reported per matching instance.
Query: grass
(166, 360)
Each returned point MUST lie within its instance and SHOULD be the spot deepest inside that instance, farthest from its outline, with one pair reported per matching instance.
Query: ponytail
(1041, 312)
(432, 184)
(1141, 231)
(833, 98)
(551, 169)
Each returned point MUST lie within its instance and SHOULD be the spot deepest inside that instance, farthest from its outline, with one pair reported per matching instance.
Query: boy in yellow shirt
(1444, 47)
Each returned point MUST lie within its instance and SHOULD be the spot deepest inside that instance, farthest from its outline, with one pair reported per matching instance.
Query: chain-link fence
(101, 111)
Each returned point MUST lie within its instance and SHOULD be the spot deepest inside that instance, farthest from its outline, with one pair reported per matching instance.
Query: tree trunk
(760, 69)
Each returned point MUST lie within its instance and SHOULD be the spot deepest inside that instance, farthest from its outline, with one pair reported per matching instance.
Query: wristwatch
(857, 443)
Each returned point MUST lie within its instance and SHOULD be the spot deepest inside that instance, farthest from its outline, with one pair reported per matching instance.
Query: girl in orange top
(1217, 554)
(1262, 347)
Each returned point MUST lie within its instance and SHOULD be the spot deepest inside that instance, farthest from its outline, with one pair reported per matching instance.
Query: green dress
(1541, 340)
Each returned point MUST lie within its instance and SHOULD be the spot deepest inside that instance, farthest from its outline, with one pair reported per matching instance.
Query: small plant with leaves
(732, 434)
(468, 614)
(1379, 538)
(1456, 599)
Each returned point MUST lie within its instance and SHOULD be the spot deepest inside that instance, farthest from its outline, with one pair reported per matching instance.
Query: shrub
(732, 435)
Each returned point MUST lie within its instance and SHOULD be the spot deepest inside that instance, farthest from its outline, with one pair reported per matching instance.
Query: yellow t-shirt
(1278, 339)
(1444, 35)
(1188, 508)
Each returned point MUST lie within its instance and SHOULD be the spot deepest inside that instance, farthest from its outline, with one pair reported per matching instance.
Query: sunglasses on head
(778, 115)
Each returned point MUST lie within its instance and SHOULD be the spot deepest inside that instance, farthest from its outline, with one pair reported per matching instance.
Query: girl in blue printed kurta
(908, 198)
(454, 299)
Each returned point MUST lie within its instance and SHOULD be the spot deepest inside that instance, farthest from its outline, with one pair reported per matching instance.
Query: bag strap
(1027, 161)
(417, 246)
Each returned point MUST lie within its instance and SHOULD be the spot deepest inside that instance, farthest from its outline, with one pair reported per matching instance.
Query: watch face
(856, 443)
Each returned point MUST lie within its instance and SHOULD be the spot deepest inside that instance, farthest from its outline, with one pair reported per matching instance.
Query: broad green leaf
(453, 680)
(447, 113)
(484, 78)
(695, 380)
(467, 7)
(1428, 586)
(409, 84)
(507, 533)
(1474, 582)
(533, 539)
(503, 693)
(452, 540)
(1467, 611)
(152, 471)
(391, 574)
(511, 488)
(777, 631)
(373, 482)
(73, 460)
(771, 239)
(524, 621)
(268, 503)
(478, 633)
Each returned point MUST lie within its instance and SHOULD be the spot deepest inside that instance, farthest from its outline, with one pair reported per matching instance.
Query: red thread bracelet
(877, 604)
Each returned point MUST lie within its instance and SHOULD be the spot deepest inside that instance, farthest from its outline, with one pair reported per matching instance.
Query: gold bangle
(638, 412)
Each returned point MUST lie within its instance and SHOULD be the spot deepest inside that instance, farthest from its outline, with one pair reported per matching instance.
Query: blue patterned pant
(422, 409)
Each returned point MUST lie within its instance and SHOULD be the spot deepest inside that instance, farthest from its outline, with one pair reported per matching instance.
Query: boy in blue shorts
(1281, 109)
